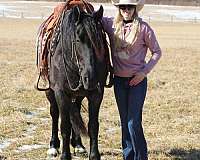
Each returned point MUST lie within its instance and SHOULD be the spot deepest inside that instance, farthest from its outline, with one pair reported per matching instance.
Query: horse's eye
(77, 40)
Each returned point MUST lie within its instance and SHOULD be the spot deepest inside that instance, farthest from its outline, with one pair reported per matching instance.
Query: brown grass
(171, 113)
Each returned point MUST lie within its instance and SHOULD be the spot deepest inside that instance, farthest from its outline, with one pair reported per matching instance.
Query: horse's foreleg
(55, 142)
(93, 126)
(77, 144)
(65, 126)
(76, 141)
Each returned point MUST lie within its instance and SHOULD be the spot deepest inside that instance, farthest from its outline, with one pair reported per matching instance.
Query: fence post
(149, 19)
(42, 15)
(172, 19)
(195, 19)
(22, 15)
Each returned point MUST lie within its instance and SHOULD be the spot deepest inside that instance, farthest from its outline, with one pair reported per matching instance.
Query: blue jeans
(130, 100)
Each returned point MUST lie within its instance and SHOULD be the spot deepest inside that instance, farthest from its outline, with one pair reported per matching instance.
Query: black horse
(78, 69)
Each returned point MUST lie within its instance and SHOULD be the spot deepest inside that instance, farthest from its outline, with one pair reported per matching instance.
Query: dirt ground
(171, 112)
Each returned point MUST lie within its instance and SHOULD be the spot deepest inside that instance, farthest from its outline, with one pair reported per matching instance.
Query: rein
(74, 53)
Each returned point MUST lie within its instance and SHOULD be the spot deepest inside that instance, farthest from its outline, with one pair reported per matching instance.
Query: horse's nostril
(86, 79)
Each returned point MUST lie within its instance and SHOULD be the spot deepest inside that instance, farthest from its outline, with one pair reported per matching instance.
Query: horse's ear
(77, 14)
(98, 14)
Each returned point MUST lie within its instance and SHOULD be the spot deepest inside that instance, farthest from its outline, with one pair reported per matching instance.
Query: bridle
(74, 53)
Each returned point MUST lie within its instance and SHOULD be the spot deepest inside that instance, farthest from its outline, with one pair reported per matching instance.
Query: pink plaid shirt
(127, 64)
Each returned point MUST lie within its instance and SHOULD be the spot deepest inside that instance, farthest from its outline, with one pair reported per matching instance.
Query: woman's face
(127, 11)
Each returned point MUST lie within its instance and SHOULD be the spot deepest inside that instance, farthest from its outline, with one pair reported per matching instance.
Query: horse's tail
(77, 122)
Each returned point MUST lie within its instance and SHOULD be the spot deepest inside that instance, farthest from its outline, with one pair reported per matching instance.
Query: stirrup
(42, 84)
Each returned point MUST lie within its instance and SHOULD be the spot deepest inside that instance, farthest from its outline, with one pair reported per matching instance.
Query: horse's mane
(68, 23)
(93, 31)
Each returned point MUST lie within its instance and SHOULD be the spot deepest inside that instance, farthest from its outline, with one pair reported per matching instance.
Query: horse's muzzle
(89, 83)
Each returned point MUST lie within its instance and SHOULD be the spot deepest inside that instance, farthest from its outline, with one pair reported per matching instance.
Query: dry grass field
(171, 113)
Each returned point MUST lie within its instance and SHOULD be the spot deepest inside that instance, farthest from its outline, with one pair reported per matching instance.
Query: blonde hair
(118, 22)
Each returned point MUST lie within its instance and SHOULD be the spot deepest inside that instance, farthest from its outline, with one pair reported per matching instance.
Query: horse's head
(84, 44)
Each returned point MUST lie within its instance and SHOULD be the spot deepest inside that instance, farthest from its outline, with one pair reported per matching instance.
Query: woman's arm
(152, 44)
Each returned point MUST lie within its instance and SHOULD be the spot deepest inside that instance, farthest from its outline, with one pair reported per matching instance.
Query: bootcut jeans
(130, 100)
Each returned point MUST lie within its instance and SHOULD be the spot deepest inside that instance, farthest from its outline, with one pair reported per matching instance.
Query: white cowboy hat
(139, 3)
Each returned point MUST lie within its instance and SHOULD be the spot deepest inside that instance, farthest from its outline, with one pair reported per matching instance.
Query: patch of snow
(112, 130)
(6, 143)
(30, 115)
(27, 148)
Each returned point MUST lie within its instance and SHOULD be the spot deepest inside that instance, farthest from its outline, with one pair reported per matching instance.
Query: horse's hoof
(94, 156)
(80, 149)
(65, 156)
(52, 152)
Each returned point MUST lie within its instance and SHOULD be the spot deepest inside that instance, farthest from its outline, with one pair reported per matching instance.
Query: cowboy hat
(139, 3)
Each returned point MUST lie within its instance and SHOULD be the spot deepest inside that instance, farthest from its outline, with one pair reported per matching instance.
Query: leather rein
(74, 54)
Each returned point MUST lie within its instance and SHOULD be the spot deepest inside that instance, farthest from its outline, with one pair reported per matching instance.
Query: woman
(130, 38)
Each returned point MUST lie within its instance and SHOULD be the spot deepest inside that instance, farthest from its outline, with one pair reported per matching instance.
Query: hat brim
(138, 6)
(119, 4)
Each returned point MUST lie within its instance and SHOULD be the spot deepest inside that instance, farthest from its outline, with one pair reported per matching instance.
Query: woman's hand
(137, 79)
